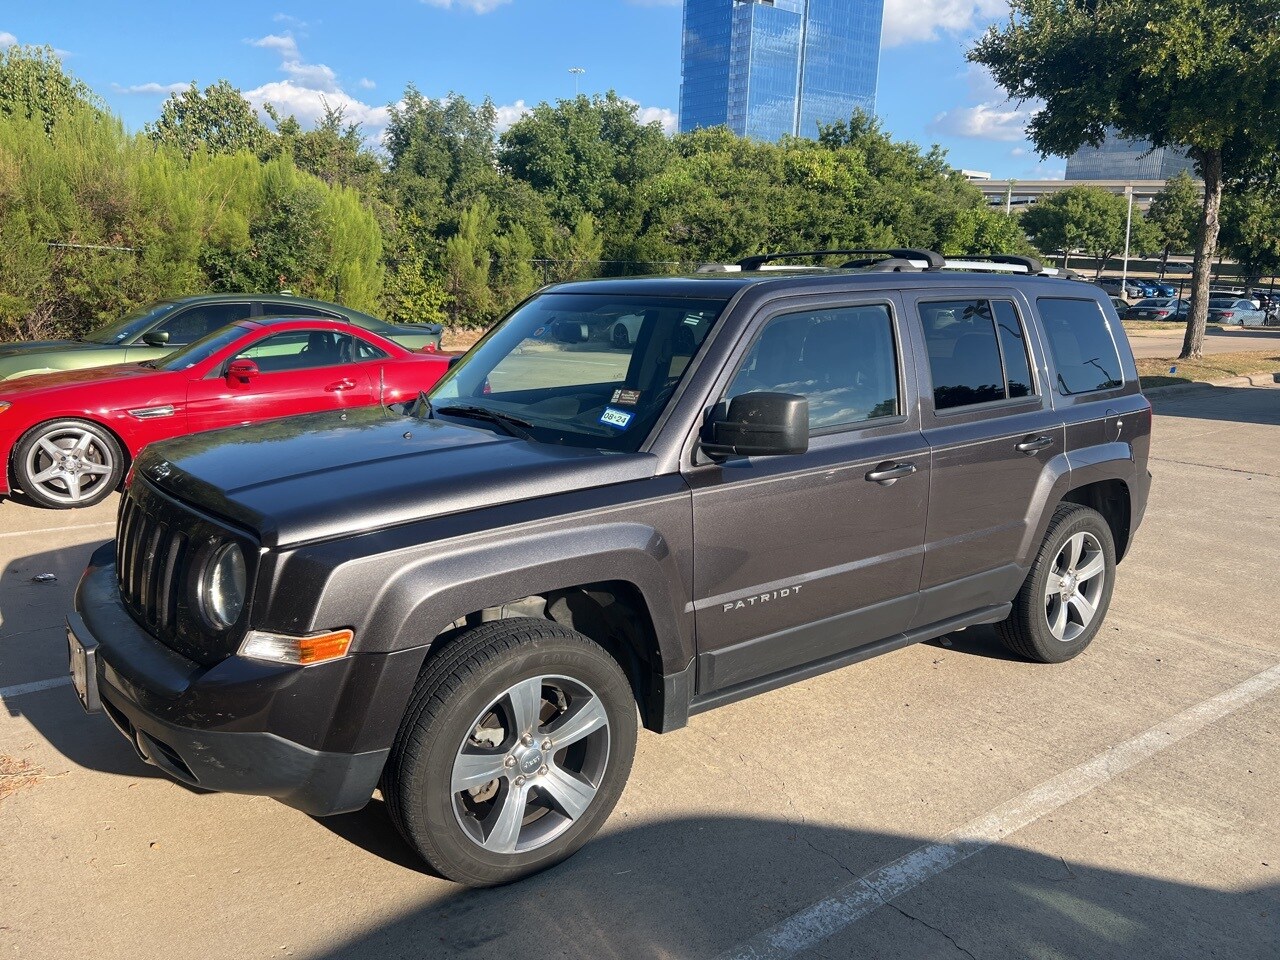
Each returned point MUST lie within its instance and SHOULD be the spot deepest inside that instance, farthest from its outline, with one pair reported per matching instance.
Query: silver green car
(150, 332)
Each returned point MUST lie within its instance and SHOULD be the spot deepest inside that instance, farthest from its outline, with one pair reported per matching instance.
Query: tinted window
(299, 350)
(192, 324)
(199, 351)
(295, 310)
(1013, 348)
(964, 353)
(1081, 345)
(843, 361)
(367, 351)
(131, 324)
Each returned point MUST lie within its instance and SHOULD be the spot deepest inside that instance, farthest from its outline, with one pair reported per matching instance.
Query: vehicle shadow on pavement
(979, 641)
(1233, 404)
(695, 887)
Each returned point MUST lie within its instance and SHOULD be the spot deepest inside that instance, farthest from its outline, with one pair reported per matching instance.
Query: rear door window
(1084, 352)
(977, 352)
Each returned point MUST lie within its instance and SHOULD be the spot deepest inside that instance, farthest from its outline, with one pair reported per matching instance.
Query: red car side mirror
(241, 371)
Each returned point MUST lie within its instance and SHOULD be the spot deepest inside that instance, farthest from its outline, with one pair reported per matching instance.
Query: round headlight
(222, 586)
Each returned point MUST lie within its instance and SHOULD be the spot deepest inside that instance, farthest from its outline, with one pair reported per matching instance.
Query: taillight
(1228, 314)
(1162, 313)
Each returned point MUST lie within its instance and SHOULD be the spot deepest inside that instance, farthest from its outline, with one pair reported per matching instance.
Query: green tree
(219, 120)
(1088, 220)
(33, 86)
(1174, 216)
(1251, 230)
(514, 277)
(468, 256)
(1204, 74)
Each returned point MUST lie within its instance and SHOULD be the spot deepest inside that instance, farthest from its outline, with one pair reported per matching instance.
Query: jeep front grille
(151, 562)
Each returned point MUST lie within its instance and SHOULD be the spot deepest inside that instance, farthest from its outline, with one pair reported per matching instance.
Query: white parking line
(45, 530)
(8, 693)
(811, 926)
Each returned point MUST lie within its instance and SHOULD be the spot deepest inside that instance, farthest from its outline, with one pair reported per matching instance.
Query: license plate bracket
(82, 656)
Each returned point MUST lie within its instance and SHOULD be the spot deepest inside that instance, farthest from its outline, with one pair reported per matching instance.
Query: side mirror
(156, 338)
(759, 425)
(241, 371)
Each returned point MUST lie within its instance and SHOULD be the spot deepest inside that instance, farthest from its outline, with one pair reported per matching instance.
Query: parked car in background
(68, 437)
(1159, 308)
(153, 331)
(1166, 290)
(1236, 312)
(1122, 307)
(1121, 288)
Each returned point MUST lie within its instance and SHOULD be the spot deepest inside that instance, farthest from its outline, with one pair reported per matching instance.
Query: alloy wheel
(1075, 585)
(69, 464)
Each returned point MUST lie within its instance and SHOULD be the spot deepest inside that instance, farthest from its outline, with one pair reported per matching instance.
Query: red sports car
(70, 436)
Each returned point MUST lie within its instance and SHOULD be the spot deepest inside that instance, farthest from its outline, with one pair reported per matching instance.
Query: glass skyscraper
(1119, 159)
(767, 68)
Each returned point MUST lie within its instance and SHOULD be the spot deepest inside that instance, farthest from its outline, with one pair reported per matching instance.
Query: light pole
(1128, 232)
(577, 72)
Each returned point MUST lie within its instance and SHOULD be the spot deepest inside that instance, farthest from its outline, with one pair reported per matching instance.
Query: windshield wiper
(513, 426)
(149, 364)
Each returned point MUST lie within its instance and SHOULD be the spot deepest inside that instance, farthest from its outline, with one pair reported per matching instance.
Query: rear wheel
(514, 750)
(68, 463)
(1065, 597)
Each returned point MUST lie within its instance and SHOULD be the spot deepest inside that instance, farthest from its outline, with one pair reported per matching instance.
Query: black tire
(1027, 631)
(102, 454)
(451, 698)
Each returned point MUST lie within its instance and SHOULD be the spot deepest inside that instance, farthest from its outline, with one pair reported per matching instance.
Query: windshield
(587, 370)
(187, 357)
(131, 324)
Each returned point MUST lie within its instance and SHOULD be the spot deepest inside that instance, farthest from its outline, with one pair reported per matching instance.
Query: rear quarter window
(1080, 342)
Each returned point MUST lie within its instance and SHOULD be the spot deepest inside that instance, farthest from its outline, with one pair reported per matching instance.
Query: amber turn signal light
(301, 650)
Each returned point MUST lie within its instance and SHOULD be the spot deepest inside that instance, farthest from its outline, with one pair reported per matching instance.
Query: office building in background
(768, 68)
(1120, 159)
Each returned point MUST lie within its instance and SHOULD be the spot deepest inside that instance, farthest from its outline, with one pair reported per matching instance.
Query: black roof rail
(934, 261)
(1030, 264)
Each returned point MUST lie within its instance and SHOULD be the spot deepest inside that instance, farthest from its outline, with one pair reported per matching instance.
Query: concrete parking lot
(1158, 343)
(943, 801)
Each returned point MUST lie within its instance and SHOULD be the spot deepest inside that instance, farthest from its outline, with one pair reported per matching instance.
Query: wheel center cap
(529, 760)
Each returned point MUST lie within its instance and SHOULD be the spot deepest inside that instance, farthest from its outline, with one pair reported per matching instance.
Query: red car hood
(42, 383)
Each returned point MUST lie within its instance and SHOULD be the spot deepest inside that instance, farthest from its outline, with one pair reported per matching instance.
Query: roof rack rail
(1030, 265)
(928, 259)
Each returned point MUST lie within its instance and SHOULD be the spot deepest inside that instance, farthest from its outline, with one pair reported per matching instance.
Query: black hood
(331, 474)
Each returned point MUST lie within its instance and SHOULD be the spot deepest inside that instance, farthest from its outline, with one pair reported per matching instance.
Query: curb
(1249, 380)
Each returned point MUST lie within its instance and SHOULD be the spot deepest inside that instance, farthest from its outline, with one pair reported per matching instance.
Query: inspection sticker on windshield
(626, 398)
(616, 418)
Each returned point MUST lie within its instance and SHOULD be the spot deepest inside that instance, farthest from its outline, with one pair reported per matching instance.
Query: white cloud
(308, 104)
(282, 42)
(364, 83)
(475, 6)
(661, 114)
(290, 19)
(316, 75)
(1004, 122)
(151, 88)
(912, 21)
(7, 39)
(508, 114)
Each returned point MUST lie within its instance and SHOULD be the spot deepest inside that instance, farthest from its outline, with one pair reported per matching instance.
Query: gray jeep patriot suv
(471, 601)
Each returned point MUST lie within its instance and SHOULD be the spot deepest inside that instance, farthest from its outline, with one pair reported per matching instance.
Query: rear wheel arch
(1110, 498)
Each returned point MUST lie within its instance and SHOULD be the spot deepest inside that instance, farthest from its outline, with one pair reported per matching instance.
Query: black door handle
(889, 472)
(1034, 444)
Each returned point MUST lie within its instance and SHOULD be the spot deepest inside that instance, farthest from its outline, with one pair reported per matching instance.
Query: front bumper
(236, 726)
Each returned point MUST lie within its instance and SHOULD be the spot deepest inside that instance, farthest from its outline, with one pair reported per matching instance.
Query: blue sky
(360, 56)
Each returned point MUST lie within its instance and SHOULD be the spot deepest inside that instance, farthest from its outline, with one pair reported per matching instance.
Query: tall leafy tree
(33, 86)
(1251, 230)
(1204, 74)
(1175, 216)
(219, 120)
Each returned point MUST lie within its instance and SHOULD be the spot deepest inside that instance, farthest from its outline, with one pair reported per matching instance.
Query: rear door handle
(1035, 444)
(888, 472)
(339, 385)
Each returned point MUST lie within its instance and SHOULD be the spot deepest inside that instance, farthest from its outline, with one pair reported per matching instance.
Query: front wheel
(68, 463)
(514, 750)
(1065, 597)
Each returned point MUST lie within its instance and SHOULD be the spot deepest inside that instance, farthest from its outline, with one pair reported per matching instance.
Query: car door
(804, 558)
(299, 371)
(993, 434)
(187, 326)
